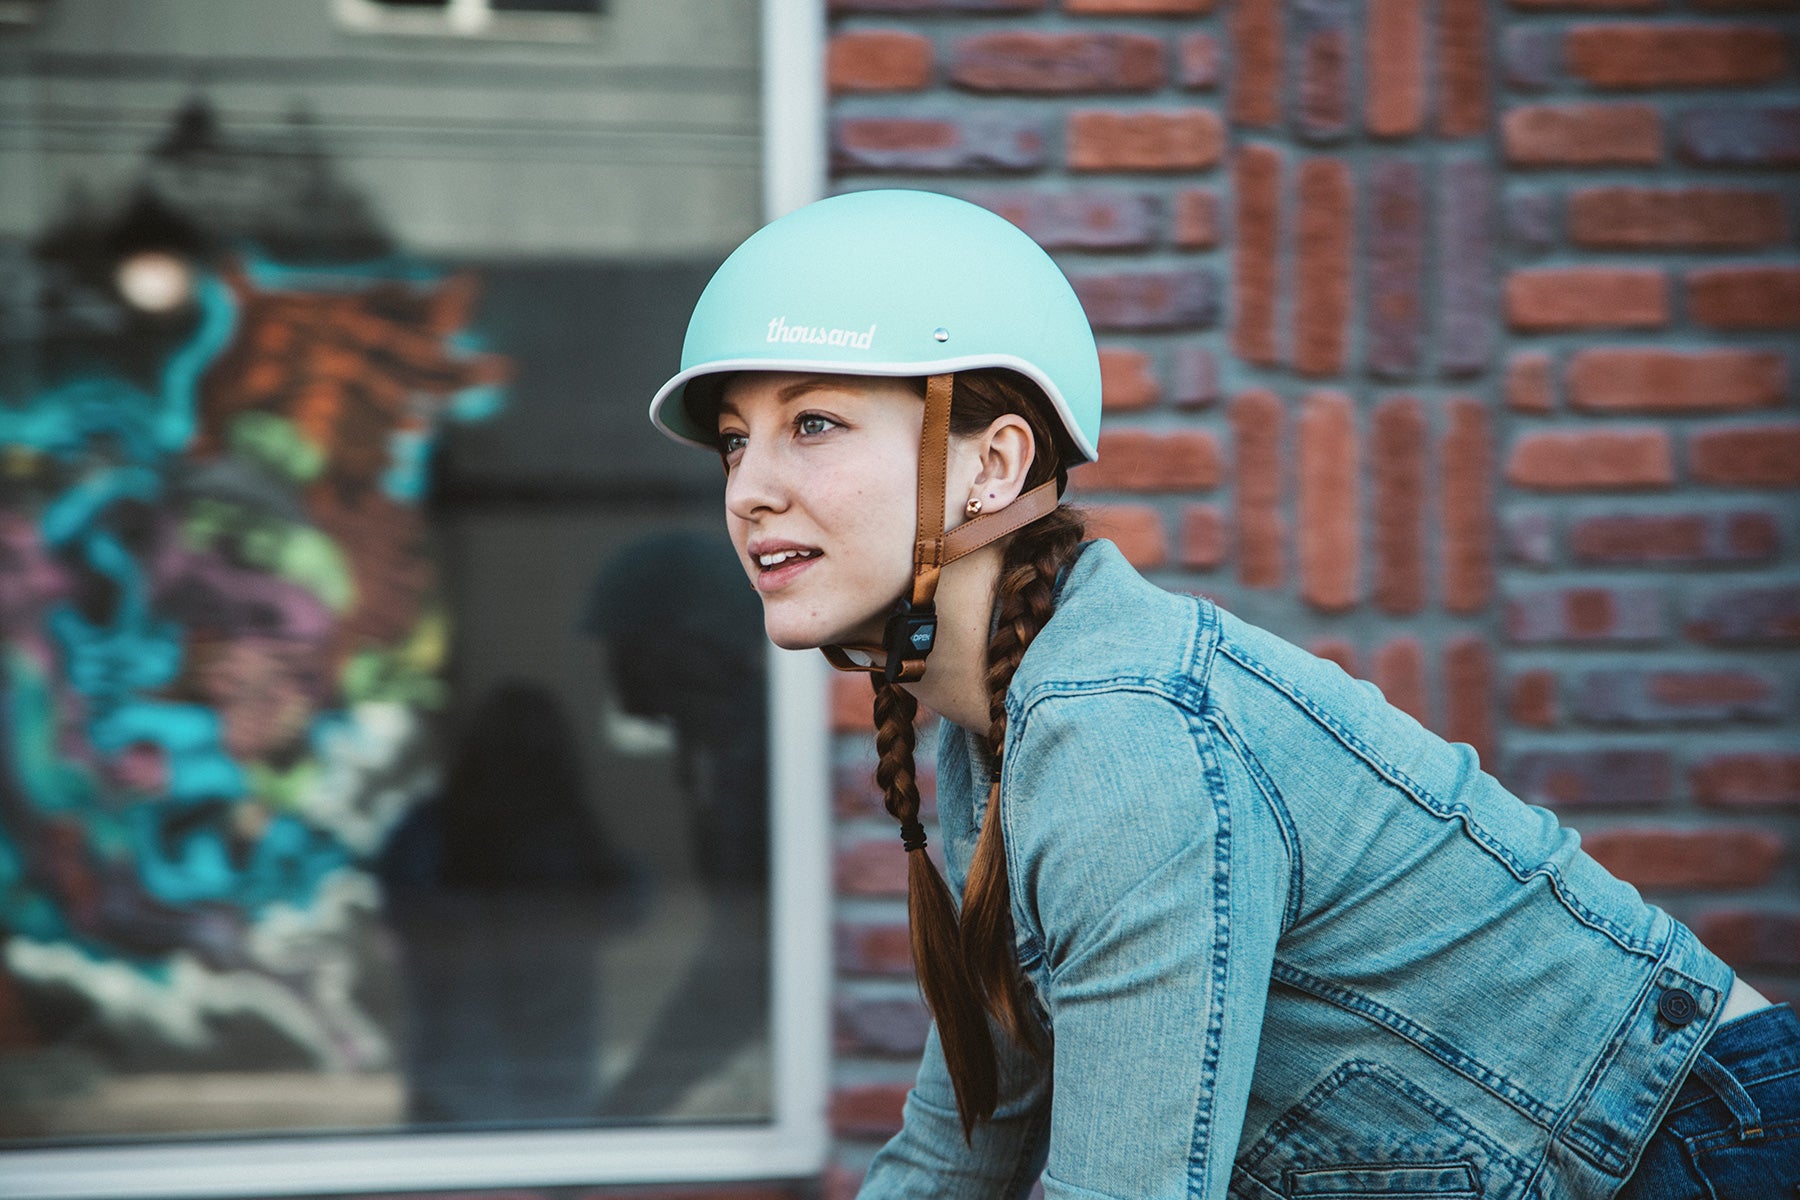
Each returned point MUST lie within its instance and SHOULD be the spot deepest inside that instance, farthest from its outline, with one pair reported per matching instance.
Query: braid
(1025, 601)
(931, 917)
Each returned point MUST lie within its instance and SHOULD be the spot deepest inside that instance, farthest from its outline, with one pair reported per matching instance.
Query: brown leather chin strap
(912, 627)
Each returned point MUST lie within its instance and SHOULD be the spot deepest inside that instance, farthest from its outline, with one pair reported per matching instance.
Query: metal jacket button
(1677, 1006)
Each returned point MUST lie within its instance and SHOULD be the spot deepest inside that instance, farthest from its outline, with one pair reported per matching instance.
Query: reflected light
(155, 281)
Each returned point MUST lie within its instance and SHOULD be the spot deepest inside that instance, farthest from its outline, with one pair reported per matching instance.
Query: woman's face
(821, 492)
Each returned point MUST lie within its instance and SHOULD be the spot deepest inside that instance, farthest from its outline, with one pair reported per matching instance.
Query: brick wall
(1454, 341)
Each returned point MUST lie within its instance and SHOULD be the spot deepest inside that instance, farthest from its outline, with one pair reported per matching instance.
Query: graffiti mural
(222, 641)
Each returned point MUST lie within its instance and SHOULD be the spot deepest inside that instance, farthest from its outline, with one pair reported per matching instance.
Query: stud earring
(973, 507)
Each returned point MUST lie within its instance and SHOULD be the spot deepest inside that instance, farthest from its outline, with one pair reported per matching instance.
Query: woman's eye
(731, 443)
(813, 425)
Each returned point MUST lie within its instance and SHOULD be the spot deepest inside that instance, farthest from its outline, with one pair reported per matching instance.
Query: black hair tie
(912, 835)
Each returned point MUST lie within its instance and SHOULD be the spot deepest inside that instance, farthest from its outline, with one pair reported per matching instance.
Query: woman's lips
(773, 579)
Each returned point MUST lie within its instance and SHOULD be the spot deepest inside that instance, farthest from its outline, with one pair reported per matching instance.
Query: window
(394, 791)
(549, 19)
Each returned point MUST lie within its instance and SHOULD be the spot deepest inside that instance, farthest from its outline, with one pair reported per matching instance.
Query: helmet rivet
(941, 334)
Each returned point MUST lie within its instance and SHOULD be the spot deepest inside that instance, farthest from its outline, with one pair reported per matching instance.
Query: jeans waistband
(1758, 1045)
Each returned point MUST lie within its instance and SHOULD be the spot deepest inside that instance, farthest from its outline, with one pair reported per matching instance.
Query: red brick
(1136, 529)
(842, 1181)
(1747, 938)
(1606, 778)
(1750, 616)
(874, 948)
(1196, 219)
(1745, 297)
(1529, 385)
(1395, 67)
(1619, 55)
(1257, 41)
(1531, 699)
(1586, 614)
(1137, 460)
(1336, 650)
(1189, 139)
(1582, 135)
(1028, 62)
(1698, 218)
(1469, 695)
(876, 866)
(1080, 218)
(1746, 456)
(1203, 537)
(1145, 300)
(852, 704)
(1627, 696)
(1324, 100)
(1144, 8)
(1598, 5)
(1399, 444)
(1127, 382)
(1400, 674)
(1197, 61)
(880, 1026)
(878, 60)
(1747, 780)
(1544, 299)
(996, 142)
(1687, 858)
(1256, 425)
(1597, 461)
(1614, 379)
(1329, 520)
(1674, 539)
(1463, 73)
(868, 1109)
(1255, 284)
(1467, 516)
(1322, 311)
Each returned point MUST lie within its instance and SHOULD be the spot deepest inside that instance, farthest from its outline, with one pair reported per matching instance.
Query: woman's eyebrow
(786, 394)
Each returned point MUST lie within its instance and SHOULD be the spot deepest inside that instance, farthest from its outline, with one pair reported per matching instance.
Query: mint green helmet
(896, 283)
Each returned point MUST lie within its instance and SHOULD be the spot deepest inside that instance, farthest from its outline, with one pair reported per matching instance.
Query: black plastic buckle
(910, 634)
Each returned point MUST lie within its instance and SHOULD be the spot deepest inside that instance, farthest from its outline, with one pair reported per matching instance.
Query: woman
(1219, 920)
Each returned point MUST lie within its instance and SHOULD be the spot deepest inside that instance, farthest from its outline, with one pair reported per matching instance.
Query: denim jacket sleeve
(1156, 901)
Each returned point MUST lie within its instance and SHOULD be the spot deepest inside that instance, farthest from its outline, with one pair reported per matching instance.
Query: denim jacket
(1288, 943)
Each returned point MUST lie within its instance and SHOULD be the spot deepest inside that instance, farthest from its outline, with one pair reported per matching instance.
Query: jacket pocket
(1366, 1132)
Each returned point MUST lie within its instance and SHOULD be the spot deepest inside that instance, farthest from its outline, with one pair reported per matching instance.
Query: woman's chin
(810, 636)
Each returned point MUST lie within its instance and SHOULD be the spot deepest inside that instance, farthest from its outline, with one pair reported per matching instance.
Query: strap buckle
(910, 634)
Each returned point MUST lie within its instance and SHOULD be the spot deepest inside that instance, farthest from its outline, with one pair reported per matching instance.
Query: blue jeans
(1734, 1130)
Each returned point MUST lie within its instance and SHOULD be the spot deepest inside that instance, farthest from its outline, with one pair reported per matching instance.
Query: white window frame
(465, 18)
(794, 1143)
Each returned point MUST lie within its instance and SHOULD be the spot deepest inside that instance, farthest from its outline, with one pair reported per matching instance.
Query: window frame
(465, 18)
(795, 1142)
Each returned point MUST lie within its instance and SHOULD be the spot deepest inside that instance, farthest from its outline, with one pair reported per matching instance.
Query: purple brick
(1533, 221)
(1194, 376)
(1198, 62)
(881, 1025)
(1592, 778)
(1466, 265)
(989, 141)
(1586, 614)
(1321, 28)
(1395, 311)
(1675, 539)
(1183, 299)
(1530, 538)
(1631, 696)
(1533, 58)
(1740, 137)
(1080, 220)
(1748, 616)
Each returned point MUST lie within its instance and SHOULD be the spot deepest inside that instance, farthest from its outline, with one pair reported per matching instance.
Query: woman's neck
(955, 682)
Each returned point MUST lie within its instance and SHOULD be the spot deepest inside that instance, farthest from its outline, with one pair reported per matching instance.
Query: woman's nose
(755, 484)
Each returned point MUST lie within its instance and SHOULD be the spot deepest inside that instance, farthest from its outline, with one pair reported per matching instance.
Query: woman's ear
(997, 460)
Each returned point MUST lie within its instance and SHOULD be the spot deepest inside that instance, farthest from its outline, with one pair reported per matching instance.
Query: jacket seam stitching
(1432, 804)
(1290, 834)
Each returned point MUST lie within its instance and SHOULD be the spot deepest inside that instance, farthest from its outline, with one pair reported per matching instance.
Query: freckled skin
(830, 463)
